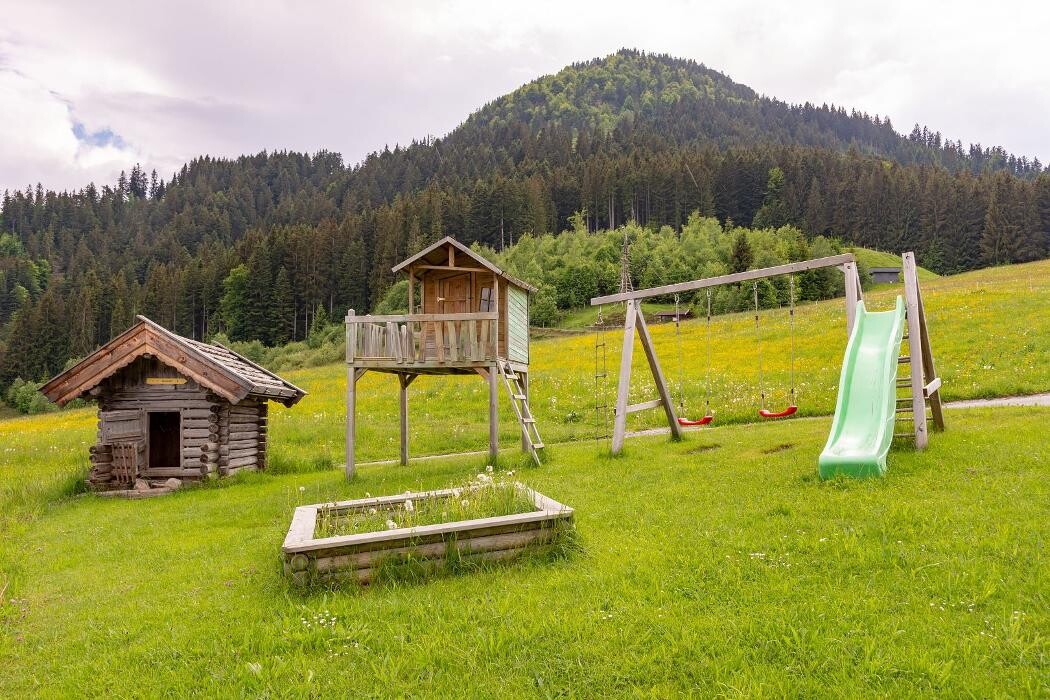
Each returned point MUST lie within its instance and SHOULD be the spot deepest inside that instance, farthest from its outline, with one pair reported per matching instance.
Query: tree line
(257, 246)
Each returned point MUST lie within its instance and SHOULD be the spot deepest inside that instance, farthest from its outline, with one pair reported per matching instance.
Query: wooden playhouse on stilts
(465, 316)
(171, 408)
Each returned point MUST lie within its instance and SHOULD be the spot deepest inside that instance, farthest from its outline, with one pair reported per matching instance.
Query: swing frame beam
(634, 321)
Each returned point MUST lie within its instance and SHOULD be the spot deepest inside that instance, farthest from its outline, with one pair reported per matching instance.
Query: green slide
(862, 430)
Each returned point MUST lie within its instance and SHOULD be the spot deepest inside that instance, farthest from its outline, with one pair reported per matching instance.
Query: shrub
(25, 397)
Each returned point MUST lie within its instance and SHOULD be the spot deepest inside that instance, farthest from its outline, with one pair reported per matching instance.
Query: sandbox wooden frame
(357, 557)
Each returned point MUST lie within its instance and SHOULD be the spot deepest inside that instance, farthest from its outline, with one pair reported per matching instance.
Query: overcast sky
(90, 88)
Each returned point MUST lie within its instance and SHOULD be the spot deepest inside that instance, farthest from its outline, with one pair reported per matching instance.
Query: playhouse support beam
(493, 413)
(404, 380)
(351, 419)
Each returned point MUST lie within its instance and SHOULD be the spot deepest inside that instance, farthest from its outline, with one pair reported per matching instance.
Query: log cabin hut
(465, 316)
(171, 407)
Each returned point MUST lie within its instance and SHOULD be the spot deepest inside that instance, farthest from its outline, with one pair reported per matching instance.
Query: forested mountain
(255, 246)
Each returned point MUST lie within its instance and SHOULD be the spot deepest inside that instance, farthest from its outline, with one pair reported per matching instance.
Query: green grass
(483, 496)
(716, 566)
(990, 332)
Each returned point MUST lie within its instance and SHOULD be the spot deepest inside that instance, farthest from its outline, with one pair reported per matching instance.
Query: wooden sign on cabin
(170, 406)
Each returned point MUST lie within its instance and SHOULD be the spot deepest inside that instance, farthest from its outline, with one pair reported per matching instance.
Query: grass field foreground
(717, 566)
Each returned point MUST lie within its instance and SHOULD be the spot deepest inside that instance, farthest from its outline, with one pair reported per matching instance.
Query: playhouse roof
(214, 367)
(436, 254)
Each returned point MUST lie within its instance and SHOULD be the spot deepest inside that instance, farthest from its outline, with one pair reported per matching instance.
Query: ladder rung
(520, 397)
(903, 435)
(904, 359)
(537, 445)
(528, 420)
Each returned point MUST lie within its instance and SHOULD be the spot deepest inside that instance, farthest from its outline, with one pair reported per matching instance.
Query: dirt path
(1033, 400)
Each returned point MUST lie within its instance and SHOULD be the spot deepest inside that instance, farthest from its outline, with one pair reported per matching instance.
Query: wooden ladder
(530, 433)
(922, 387)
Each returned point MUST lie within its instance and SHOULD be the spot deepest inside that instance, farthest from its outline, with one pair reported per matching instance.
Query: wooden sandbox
(359, 557)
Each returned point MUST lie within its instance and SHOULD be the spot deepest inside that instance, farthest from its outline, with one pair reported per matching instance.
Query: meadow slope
(990, 332)
(716, 566)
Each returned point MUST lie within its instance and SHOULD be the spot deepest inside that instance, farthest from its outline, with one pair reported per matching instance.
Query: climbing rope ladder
(601, 372)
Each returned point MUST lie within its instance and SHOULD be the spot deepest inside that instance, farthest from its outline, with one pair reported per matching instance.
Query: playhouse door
(454, 295)
(165, 444)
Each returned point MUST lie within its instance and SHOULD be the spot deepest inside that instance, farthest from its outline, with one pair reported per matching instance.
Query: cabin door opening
(454, 295)
(164, 440)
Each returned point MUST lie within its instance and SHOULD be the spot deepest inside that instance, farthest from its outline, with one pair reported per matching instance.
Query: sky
(90, 89)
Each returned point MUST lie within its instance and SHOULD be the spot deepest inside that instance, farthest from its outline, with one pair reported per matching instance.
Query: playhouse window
(486, 300)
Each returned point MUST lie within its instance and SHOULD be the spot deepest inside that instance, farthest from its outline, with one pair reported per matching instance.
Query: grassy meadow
(990, 331)
(719, 565)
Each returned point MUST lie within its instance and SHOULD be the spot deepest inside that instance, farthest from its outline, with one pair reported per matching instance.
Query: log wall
(216, 438)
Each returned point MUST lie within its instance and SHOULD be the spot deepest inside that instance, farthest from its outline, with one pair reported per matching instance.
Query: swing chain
(678, 337)
(708, 352)
(758, 340)
(791, 317)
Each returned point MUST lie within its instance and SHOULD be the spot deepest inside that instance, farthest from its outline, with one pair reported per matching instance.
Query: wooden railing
(438, 339)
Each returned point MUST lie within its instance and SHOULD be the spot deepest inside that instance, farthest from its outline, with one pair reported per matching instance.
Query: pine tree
(742, 256)
(773, 213)
(235, 302)
(258, 313)
(283, 308)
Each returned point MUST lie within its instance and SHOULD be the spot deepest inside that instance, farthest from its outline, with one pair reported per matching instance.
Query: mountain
(256, 246)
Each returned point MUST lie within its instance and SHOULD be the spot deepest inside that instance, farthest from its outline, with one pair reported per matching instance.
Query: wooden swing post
(635, 321)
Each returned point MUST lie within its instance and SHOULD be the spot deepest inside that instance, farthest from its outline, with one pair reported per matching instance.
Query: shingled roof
(231, 376)
(435, 254)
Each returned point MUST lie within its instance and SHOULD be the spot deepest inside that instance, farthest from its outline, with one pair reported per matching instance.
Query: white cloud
(177, 80)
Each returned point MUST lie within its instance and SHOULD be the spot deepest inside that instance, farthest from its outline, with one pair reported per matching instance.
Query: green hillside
(718, 562)
(257, 247)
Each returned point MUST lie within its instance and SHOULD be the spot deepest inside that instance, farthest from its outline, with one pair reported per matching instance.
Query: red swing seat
(703, 421)
(790, 410)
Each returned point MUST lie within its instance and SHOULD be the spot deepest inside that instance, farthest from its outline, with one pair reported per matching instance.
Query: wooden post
(495, 307)
(404, 380)
(411, 289)
(658, 376)
(493, 413)
(918, 384)
(929, 368)
(852, 295)
(351, 418)
(351, 336)
(623, 384)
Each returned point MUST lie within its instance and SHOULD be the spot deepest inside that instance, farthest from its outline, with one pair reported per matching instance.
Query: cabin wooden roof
(214, 367)
(436, 254)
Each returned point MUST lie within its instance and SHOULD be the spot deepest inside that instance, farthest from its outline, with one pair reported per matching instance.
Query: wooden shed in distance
(465, 316)
(171, 407)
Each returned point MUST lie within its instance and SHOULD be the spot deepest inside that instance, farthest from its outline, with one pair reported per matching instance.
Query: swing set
(634, 321)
